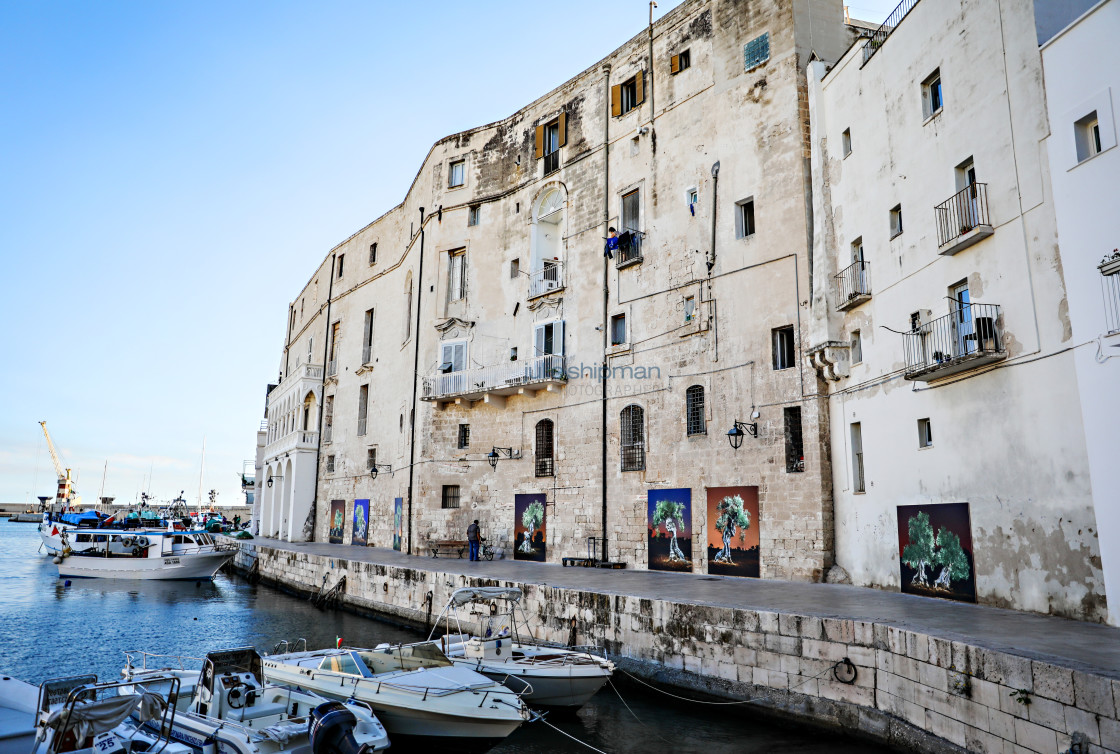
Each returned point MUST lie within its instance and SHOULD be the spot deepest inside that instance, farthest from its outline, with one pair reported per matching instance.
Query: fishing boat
(548, 676)
(151, 555)
(420, 696)
(229, 706)
(81, 715)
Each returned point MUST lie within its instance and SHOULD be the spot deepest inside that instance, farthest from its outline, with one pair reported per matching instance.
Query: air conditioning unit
(920, 319)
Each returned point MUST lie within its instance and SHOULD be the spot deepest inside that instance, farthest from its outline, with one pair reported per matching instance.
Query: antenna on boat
(201, 470)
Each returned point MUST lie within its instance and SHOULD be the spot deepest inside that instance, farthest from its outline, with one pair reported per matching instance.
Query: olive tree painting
(337, 522)
(935, 551)
(670, 529)
(398, 522)
(361, 523)
(529, 527)
(733, 531)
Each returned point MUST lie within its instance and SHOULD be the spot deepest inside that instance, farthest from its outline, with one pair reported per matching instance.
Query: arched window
(694, 410)
(633, 438)
(543, 460)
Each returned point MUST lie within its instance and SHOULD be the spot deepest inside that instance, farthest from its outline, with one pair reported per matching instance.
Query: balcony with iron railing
(495, 382)
(963, 220)
(968, 337)
(548, 279)
(629, 248)
(879, 36)
(852, 286)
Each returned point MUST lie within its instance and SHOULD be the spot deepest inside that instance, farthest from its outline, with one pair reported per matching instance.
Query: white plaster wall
(1082, 72)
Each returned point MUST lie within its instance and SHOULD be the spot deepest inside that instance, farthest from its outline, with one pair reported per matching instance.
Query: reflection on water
(48, 630)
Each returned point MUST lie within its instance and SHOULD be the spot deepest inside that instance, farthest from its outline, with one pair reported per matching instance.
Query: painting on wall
(361, 523)
(398, 522)
(529, 527)
(670, 529)
(337, 522)
(733, 531)
(935, 551)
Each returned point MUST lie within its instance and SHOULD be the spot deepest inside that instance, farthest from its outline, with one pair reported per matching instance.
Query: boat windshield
(404, 657)
(344, 663)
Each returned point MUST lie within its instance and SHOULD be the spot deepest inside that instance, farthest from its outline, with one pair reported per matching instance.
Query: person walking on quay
(473, 539)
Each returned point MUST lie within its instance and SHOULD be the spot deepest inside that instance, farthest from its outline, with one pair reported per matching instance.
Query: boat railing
(130, 663)
(284, 646)
(88, 702)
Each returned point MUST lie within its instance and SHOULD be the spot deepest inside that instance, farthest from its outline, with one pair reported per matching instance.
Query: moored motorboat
(228, 704)
(549, 676)
(419, 695)
(150, 555)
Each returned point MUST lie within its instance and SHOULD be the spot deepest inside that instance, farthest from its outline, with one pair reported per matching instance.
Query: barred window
(795, 450)
(330, 464)
(450, 496)
(543, 458)
(633, 438)
(694, 407)
(464, 435)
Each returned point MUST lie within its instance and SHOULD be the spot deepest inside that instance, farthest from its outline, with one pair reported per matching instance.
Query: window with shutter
(457, 275)
(453, 356)
(363, 408)
(616, 100)
(538, 142)
(367, 338)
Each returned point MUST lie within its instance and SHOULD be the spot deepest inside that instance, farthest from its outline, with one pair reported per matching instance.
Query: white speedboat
(152, 555)
(418, 694)
(228, 705)
(548, 676)
(83, 716)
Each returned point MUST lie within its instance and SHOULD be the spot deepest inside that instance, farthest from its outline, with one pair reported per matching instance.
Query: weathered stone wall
(911, 690)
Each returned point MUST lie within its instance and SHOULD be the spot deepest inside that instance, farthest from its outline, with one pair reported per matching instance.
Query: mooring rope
(635, 716)
(755, 700)
(569, 735)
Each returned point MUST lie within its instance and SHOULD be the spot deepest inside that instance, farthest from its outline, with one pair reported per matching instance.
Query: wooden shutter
(675, 64)
(562, 130)
(639, 88)
(539, 142)
(616, 100)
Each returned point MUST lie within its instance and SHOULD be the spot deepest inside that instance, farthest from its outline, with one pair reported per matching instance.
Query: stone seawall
(910, 690)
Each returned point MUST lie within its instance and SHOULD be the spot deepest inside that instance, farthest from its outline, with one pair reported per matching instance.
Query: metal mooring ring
(845, 671)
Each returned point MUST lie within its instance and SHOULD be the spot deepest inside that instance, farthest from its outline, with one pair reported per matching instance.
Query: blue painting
(361, 523)
(398, 521)
(670, 529)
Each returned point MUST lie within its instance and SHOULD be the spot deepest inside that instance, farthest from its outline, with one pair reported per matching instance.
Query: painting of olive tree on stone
(529, 527)
(733, 531)
(670, 529)
(935, 551)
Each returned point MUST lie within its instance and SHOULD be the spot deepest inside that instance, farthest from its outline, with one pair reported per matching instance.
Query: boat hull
(193, 567)
(552, 690)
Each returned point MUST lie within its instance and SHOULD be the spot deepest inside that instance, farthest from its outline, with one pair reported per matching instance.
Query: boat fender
(210, 746)
(330, 730)
(126, 541)
(142, 541)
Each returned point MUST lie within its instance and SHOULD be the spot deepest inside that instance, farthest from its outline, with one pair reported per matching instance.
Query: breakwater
(911, 689)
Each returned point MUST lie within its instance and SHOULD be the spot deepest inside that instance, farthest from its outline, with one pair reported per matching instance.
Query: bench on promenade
(447, 547)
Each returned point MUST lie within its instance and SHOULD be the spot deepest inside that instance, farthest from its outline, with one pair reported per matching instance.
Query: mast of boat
(201, 470)
(101, 492)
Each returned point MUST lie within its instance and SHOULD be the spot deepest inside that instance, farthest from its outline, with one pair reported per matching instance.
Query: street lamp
(736, 434)
(271, 477)
(496, 453)
(374, 469)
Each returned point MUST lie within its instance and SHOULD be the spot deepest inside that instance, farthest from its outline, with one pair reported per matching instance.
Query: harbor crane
(65, 486)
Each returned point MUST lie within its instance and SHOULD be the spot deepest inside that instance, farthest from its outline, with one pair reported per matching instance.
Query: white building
(941, 318)
(1081, 68)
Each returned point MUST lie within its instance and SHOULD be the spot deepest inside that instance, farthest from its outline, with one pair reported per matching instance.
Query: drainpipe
(415, 382)
(712, 258)
(652, 111)
(322, 400)
(606, 286)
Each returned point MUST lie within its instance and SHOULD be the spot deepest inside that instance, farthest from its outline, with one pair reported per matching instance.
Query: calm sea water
(49, 630)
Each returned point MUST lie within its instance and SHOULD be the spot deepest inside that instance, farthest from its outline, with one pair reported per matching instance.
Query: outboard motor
(330, 730)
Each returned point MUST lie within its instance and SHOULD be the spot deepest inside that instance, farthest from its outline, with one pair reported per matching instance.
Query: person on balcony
(612, 243)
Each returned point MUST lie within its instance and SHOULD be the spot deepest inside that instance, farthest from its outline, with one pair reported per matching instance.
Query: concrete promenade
(931, 675)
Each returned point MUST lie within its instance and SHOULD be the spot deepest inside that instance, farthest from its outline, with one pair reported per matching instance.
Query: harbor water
(48, 629)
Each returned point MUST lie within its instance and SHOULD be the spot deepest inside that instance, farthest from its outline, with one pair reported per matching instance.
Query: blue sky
(170, 174)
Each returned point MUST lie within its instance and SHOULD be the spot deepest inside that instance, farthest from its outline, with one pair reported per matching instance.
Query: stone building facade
(482, 312)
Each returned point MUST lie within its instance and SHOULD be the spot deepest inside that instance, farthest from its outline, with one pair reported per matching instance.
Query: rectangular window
(631, 211)
(341, 259)
(330, 464)
(457, 275)
(456, 173)
(513, 354)
(373, 253)
(858, 484)
(783, 347)
(680, 61)
(328, 418)
(693, 199)
(630, 95)
(896, 220)
(1087, 135)
(371, 458)
(856, 347)
(552, 147)
(453, 356)
(473, 215)
(932, 100)
(514, 268)
(925, 434)
(464, 436)
(450, 496)
(694, 411)
(795, 450)
(689, 309)
(744, 218)
(756, 52)
(618, 329)
(549, 339)
(363, 408)
(367, 338)
(332, 351)
(846, 139)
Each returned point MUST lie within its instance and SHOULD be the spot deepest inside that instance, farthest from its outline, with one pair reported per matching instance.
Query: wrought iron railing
(962, 212)
(552, 162)
(879, 36)
(852, 284)
(547, 279)
(544, 465)
(486, 379)
(630, 247)
(968, 332)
